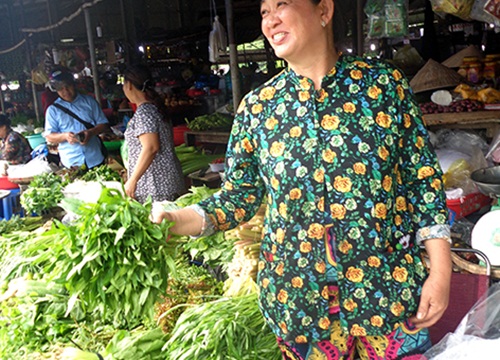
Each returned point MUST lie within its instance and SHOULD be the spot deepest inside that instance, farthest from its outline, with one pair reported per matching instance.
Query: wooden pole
(233, 55)
(90, 39)
(359, 27)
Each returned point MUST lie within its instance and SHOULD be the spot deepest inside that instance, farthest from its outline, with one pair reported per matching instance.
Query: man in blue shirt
(77, 144)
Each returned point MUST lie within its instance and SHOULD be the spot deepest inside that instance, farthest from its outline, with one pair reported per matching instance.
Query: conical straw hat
(455, 61)
(433, 76)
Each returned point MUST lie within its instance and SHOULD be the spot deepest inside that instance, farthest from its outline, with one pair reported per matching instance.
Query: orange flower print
(265, 282)
(397, 75)
(374, 92)
(250, 199)
(330, 122)
(409, 258)
(261, 265)
(316, 231)
(357, 330)
(399, 179)
(410, 208)
(297, 282)
(401, 92)
(329, 156)
(387, 183)
(319, 176)
(301, 339)
(374, 261)
(282, 296)
(324, 323)
(295, 194)
(406, 121)
(245, 144)
(361, 64)
(356, 74)
(425, 172)
(436, 184)
(380, 211)
(305, 84)
(420, 142)
(321, 97)
(221, 216)
(354, 274)
(345, 246)
(257, 108)
(338, 211)
(342, 184)
(282, 210)
(377, 227)
(280, 235)
(325, 294)
(383, 153)
(320, 267)
(271, 123)
(283, 327)
(400, 274)
(398, 220)
(239, 214)
(384, 120)
(295, 132)
(321, 204)
(359, 168)
(277, 149)
(397, 309)
(349, 107)
(224, 227)
(267, 93)
(228, 186)
(279, 269)
(305, 247)
(304, 96)
(376, 321)
(350, 305)
(242, 106)
(401, 203)
(275, 183)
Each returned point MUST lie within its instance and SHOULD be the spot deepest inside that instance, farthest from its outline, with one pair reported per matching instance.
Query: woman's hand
(433, 301)
(130, 187)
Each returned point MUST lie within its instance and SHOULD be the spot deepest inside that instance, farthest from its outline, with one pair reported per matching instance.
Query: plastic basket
(466, 205)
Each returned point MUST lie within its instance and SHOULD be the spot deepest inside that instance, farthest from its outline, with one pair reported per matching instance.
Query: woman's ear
(327, 8)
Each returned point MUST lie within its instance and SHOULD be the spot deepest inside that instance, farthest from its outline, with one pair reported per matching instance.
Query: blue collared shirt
(56, 121)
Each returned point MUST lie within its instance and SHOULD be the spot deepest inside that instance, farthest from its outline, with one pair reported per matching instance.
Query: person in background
(78, 144)
(14, 148)
(48, 97)
(154, 169)
(336, 147)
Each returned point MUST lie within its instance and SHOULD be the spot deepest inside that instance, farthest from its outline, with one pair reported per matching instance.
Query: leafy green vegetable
(228, 328)
(101, 173)
(210, 121)
(43, 193)
(137, 344)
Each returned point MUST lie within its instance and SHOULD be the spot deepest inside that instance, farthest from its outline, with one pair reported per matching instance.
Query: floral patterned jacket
(355, 156)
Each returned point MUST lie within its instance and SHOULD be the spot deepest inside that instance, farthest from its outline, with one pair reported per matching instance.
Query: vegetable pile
(209, 122)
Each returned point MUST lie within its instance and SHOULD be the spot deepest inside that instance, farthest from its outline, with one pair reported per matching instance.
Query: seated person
(14, 148)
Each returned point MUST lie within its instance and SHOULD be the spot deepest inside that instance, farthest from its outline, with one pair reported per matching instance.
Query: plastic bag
(479, 13)
(387, 18)
(494, 150)
(477, 336)
(217, 41)
(37, 166)
(458, 8)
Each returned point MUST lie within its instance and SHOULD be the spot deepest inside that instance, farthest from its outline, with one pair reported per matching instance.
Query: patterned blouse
(15, 149)
(352, 158)
(163, 180)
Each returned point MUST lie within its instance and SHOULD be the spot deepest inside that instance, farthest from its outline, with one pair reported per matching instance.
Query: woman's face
(292, 27)
(3, 131)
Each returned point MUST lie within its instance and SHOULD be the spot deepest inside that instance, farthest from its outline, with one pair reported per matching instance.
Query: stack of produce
(209, 122)
(193, 159)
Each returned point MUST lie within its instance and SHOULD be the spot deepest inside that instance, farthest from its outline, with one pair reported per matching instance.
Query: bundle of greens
(192, 159)
(17, 223)
(228, 328)
(113, 259)
(210, 121)
(43, 193)
(101, 173)
(137, 344)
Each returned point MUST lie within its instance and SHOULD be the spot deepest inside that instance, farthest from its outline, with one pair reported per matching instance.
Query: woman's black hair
(4, 120)
(140, 77)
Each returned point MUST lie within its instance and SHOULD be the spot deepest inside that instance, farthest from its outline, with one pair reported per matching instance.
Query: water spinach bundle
(113, 259)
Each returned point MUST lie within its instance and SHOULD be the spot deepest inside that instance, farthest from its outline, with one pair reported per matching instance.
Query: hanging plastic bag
(387, 18)
(458, 8)
(217, 41)
(477, 336)
(479, 13)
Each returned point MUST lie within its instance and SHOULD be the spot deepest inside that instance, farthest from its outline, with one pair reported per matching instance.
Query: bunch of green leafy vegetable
(137, 344)
(101, 173)
(112, 258)
(227, 328)
(33, 314)
(43, 193)
(17, 223)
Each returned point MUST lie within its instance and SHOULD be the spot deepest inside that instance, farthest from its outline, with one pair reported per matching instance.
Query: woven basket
(472, 268)
(433, 76)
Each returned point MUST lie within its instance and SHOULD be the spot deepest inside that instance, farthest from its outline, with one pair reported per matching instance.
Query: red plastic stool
(11, 205)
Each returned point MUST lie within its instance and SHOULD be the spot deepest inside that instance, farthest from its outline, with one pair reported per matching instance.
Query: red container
(179, 134)
(467, 204)
(5, 184)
